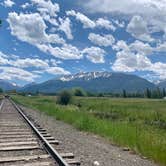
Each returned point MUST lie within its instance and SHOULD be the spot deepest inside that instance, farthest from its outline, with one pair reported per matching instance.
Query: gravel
(90, 149)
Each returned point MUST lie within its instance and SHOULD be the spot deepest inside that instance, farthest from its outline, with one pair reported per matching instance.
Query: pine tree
(148, 93)
(124, 93)
(164, 92)
(1, 90)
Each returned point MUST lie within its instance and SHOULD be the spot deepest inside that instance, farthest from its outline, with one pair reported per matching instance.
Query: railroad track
(25, 143)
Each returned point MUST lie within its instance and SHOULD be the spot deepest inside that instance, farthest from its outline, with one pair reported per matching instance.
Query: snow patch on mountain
(86, 76)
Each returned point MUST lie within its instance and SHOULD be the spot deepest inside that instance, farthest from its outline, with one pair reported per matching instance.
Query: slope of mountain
(162, 84)
(28, 85)
(94, 82)
(5, 85)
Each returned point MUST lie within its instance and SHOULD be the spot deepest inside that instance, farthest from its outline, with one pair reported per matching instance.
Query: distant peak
(86, 76)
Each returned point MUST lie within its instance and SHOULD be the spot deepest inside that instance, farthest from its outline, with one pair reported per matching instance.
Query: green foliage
(64, 97)
(164, 92)
(136, 123)
(124, 94)
(100, 95)
(1, 90)
(79, 92)
(148, 93)
(0, 22)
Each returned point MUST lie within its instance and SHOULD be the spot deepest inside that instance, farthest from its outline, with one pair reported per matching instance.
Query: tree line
(147, 93)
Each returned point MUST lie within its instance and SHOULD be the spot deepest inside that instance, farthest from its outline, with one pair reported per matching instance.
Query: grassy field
(139, 124)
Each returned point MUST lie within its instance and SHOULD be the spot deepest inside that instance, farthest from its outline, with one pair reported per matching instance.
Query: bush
(79, 92)
(64, 97)
(1, 90)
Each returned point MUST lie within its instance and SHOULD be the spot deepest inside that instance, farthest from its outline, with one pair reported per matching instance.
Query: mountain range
(93, 82)
(162, 84)
(90, 81)
(5, 85)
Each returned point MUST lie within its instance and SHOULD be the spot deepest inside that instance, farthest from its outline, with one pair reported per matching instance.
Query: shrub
(64, 97)
(1, 90)
(79, 92)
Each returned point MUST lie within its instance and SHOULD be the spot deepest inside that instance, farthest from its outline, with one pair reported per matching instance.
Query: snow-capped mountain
(85, 76)
(93, 82)
(162, 84)
(5, 85)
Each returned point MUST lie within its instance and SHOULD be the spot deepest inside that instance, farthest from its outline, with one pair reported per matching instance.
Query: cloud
(25, 5)
(46, 7)
(101, 40)
(31, 28)
(141, 48)
(3, 59)
(125, 6)
(161, 47)
(65, 26)
(55, 62)
(133, 57)
(94, 54)
(57, 71)
(104, 23)
(153, 11)
(67, 51)
(26, 63)
(138, 28)
(8, 3)
(16, 68)
(87, 23)
(121, 45)
(12, 73)
(119, 24)
(135, 47)
(47, 10)
(130, 62)
(159, 68)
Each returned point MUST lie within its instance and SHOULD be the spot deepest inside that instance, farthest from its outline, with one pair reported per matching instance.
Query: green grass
(137, 123)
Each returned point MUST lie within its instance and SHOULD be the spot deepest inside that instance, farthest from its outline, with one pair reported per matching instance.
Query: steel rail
(1, 104)
(55, 155)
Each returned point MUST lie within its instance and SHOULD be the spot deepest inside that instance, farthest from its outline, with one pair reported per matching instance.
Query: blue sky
(41, 39)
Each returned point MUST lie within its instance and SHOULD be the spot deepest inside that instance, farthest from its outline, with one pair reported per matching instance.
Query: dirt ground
(88, 148)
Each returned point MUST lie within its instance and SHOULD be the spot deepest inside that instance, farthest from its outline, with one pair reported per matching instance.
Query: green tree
(64, 97)
(124, 93)
(1, 90)
(164, 92)
(0, 22)
(100, 95)
(148, 93)
(157, 93)
(79, 92)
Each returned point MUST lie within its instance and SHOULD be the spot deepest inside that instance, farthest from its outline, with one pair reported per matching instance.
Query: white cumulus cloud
(8, 3)
(57, 71)
(94, 54)
(31, 28)
(139, 29)
(27, 62)
(152, 11)
(67, 51)
(65, 26)
(87, 23)
(47, 7)
(13, 73)
(104, 23)
(133, 57)
(101, 40)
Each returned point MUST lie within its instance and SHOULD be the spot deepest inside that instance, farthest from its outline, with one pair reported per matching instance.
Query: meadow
(139, 124)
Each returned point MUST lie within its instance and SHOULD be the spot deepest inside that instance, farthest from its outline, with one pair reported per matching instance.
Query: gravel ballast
(90, 149)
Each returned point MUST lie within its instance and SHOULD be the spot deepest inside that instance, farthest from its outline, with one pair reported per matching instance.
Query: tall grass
(132, 127)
